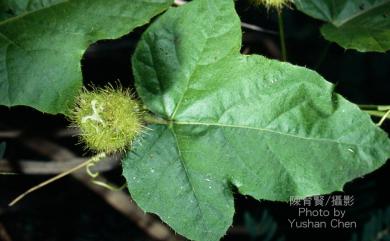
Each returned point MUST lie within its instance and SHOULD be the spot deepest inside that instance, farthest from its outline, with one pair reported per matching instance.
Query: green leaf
(363, 25)
(40, 51)
(11, 8)
(271, 129)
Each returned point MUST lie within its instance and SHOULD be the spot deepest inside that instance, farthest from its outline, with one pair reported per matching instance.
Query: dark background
(67, 210)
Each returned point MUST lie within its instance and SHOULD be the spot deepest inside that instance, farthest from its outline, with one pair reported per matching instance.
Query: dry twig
(4, 236)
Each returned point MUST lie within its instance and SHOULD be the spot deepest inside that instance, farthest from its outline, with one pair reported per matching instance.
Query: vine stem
(95, 175)
(94, 159)
(384, 118)
(382, 111)
(374, 113)
(375, 107)
(382, 115)
(281, 35)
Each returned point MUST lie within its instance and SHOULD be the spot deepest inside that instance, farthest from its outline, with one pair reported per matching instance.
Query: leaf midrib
(183, 164)
(360, 13)
(263, 130)
(172, 117)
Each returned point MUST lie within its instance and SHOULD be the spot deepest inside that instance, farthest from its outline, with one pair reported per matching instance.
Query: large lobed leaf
(12, 8)
(271, 129)
(40, 50)
(363, 25)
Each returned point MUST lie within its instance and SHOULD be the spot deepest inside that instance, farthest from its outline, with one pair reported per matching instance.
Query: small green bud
(108, 119)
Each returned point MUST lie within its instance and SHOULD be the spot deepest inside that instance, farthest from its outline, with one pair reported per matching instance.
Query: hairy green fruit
(108, 119)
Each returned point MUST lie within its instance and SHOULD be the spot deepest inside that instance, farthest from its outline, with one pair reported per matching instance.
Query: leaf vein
(263, 130)
(181, 159)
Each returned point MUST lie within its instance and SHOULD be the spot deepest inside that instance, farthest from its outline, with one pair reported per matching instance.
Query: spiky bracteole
(109, 119)
(277, 4)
